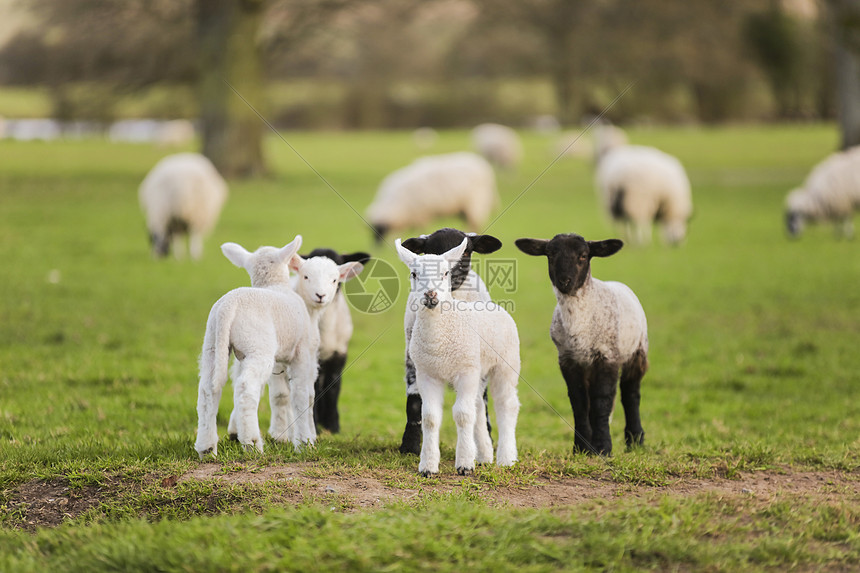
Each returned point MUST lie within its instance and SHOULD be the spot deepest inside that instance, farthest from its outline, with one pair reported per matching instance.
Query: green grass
(753, 366)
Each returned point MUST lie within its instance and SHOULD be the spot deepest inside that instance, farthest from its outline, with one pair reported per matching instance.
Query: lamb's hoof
(253, 447)
(427, 473)
(206, 452)
(465, 471)
(411, 443)
(234, 437)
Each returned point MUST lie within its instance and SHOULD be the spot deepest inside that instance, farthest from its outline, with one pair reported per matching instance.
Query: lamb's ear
(286, 252)
(416, 244)
(604, 248)
(454, 255)
(235, 253)
(405, 254)
(358, 257)
(484, 244)
(296, 262)
(533, 247)
(349, 270)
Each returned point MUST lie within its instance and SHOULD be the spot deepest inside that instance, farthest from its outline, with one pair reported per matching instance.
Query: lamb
(434, 186)
(831, 192)
(639, 185)
(472, 346)
(465, 285)
(182, 194)
(499, 144)
(598, 328)
(274, 333)
(335, 327)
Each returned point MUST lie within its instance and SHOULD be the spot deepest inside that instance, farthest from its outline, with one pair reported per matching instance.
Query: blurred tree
(231, 59)
(845, 21)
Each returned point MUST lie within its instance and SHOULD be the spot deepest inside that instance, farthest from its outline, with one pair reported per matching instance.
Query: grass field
(753, 379)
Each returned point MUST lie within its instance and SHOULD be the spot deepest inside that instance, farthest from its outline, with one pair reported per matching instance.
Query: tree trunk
(846, 18)
(232, 132)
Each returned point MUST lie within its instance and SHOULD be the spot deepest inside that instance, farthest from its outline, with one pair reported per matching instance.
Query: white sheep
(465, 285)
(499, 144)
(599, 329)
(182, 194)
(471, 345)
(831, 192)
(434, 186)
(273, 331)
(335, 326)
(639, 185)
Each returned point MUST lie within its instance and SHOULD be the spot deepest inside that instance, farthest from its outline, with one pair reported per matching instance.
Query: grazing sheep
(639, 185)
(607, 138)
(182, 194)
(472, 346)
(435, 186)
(465, 285)
(598, 328)
(335, 333)
(831, 192)
(572, 144)
(499, 144)
(273, 331)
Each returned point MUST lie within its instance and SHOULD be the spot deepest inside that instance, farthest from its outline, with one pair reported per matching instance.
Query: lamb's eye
(306, 277)
(333, 281)
(445, 275)
(414, 275)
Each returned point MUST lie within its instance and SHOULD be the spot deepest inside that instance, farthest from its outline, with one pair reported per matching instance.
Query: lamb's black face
(446, 239)
(569, 258)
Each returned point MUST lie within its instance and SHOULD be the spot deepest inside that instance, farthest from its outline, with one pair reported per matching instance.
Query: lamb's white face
(318, 278)
(430, 275)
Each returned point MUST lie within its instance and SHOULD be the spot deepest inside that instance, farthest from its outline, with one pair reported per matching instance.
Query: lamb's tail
(215, 356)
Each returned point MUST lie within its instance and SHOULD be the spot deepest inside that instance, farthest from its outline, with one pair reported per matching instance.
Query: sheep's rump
(832, 189)
(643, 183)
(183, 189)
(435, 186)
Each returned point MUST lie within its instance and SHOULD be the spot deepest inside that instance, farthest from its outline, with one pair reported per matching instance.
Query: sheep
(638, 185)
(434, 186)
(598, 328)
(499, 144)
(273, 332)
(335, 326)
(465, 285)
(471, 345)
(830, 192)
(182, 194)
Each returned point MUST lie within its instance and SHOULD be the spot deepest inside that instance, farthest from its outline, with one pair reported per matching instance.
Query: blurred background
(383, 64)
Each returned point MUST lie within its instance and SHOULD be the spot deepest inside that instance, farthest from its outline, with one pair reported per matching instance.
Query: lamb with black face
(600, 330)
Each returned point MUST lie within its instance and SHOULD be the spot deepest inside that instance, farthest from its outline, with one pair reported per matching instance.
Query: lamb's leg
(280, 426)
(503, 385)
(577, 392)
(248, 387)
(328, 391)
(431, 420)
(483, 442)
(601, 393)
(411, 442)
(303, 373)
(631, 380)
(208, 397)
(487, 413)
(232, 425)
(468, 392)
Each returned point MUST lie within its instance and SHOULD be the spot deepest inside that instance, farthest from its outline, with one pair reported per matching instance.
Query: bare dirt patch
(369, 491)
(47, 504)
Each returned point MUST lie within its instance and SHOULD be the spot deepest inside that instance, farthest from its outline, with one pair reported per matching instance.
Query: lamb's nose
(430, 294)
(320, 297)
(564, 283)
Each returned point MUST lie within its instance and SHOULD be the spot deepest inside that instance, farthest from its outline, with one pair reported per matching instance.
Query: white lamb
(639, 185)
(469, 345)
(831, 192)
(273, 332)
(599, 329)
(465, 285)
(182, 194)
(499, 144)
(434, 186)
